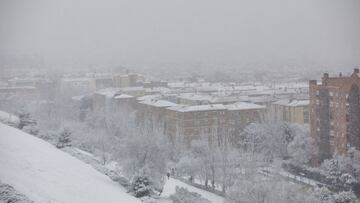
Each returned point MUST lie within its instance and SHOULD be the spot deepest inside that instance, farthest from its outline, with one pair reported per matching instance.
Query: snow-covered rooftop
(127, 89)
(292, 103)
(84, 79)
(243, 106)
(195, 97)
(18, 88)
(123, 96)
(78, 98)
(211, 107)
(149, 97)
(158, 103)
(108, 92)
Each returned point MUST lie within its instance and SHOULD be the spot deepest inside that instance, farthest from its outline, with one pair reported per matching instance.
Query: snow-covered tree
(64, 139)
(145, 155)
(346, 197)
(25, 119)
(300, 147)
(141, 186)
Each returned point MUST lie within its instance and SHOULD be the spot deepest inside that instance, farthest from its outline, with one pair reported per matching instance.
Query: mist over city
(205, 101)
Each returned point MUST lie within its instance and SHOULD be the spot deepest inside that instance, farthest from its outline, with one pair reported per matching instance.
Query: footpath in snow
(43, 173)
(170, 185)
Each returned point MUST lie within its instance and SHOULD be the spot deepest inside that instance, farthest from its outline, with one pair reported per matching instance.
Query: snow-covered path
(170, 185)
(43, 173)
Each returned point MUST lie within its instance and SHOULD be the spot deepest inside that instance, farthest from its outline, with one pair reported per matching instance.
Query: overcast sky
(181, 31)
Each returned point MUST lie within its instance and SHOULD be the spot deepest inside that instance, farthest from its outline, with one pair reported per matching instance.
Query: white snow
(158, 103)
(293, 103)
(43, 173)
(243, 106)
(123, 96)
(211, 107)
(170, 185)
(8, 118)
(108, 92)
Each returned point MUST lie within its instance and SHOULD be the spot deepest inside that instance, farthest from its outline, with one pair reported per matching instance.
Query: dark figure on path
(168, 175)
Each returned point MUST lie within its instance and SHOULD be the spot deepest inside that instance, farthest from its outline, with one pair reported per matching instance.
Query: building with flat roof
(214, 122)
(335, 114)
(292, 111)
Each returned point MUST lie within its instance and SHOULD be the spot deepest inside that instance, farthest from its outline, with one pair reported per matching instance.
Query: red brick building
(335, 114)
(215, 122)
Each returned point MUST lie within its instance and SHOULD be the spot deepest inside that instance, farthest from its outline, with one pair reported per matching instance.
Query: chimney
(326, 75)
(325, 78)
(356, 70)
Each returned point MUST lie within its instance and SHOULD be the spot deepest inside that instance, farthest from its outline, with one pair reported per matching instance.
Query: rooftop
(183, 108)
(243, 106)
(292, 103)
(123, 96)
(158, 103)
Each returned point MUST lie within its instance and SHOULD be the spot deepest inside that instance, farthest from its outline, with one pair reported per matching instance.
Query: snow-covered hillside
(45, 174)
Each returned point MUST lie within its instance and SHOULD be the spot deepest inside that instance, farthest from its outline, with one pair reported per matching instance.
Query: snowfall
(170, 186)
(43, 173)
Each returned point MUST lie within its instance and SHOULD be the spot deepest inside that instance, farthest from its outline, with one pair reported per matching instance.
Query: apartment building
(127, 80)
(215, 122)
(292, 111)
(335, 114)
(186, 123)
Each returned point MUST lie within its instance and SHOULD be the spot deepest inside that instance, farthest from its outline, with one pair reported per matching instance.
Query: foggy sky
(181, 31)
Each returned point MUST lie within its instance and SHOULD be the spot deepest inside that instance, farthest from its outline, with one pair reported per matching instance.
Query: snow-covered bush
(324, 195)
(141, 186)
(342, 172)
(49, 136)
(31, 129)
(9, 195)
(64, 139)
(27, 123)
(346, 197)
(182, 195)
(25, 119)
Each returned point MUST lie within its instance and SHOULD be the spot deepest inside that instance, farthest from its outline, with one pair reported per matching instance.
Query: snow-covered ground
(170, 185)
(6, 117)
(43, 173)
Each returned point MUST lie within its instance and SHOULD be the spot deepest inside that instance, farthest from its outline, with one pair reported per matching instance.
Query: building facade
(215, 122)
(335, 115)
(292, 111)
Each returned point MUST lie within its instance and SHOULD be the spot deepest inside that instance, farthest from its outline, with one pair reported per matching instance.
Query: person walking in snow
(168, 175)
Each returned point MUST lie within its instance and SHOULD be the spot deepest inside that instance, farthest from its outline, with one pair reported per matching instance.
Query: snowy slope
(45, 174)
(170, 185)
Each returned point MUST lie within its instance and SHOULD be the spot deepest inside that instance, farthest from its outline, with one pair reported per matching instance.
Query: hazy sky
(180, 31)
